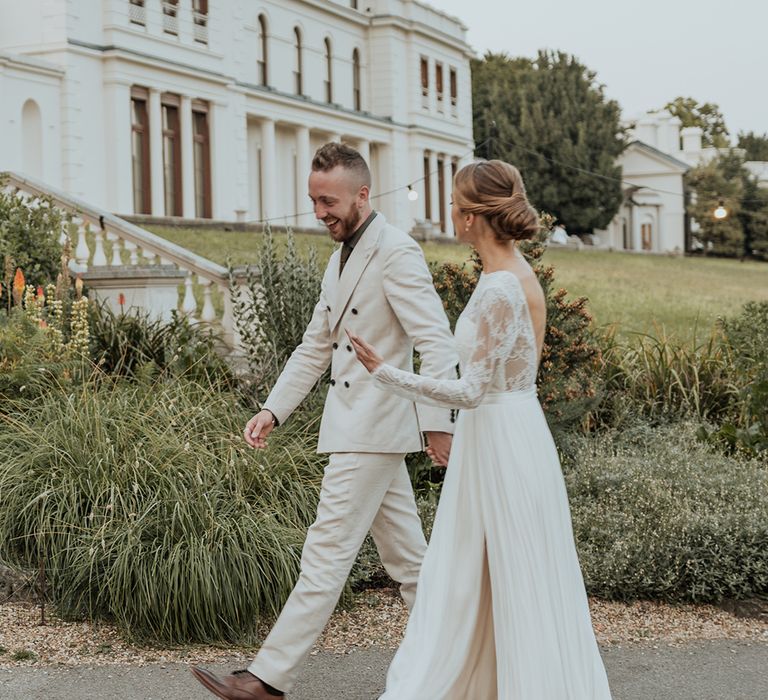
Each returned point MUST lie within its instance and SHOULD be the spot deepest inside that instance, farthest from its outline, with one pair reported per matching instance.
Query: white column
(156, 153)
(447, 191)
(364, 148)
(303, 166)
(229, 172)
(268, 168)
(433, 189)
(187, 158)
(119, 174)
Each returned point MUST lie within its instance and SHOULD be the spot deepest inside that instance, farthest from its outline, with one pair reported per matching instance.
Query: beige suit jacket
(386, 296)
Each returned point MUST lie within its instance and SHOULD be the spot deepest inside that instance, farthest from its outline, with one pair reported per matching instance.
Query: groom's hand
(257, 429)
(439, 447)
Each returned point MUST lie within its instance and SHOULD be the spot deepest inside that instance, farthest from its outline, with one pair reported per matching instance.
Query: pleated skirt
(501, 612)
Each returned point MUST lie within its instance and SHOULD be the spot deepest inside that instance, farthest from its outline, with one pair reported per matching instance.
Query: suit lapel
(354, 268)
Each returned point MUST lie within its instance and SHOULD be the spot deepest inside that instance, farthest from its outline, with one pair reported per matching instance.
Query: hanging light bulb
(413, 195)
(720, 212)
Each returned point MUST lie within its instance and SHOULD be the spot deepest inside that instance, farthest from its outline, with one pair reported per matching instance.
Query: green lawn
(640, 293)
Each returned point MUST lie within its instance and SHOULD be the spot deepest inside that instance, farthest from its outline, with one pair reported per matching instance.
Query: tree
(754, 145)
(754, 217)
(719, 181)
(707, 116)
(550, 118)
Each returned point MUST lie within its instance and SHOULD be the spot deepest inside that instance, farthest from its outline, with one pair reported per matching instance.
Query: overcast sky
(646, 52)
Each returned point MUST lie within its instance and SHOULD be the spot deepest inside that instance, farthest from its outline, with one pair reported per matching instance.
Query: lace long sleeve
(497, 319)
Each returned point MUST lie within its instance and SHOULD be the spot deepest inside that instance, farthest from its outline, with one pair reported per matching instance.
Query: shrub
(747, 338)
(29, 236)
(273, 310)
(150, 510)
(658, 514)
(127, 344)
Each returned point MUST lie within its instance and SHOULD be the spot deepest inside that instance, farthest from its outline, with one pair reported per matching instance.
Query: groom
(377, 285)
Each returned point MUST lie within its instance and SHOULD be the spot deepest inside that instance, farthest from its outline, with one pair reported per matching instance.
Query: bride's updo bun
(495, 190)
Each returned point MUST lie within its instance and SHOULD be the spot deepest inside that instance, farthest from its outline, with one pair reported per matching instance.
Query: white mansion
(213, 108)
(652, 215)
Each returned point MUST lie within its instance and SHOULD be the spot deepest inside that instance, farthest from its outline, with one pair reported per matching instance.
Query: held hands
(439, 447)
(365, 353)
(257, 429)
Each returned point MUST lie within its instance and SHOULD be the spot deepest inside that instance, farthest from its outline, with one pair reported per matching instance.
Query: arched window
(263, 54)
(328, 71)
(32, 139)
(356, 100)
(297, 67)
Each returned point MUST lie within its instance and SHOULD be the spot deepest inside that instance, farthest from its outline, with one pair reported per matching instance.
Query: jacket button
(333, 382)
(335, 346)
(328, 307)
(349, 347)
(354, 311)
(346, 384)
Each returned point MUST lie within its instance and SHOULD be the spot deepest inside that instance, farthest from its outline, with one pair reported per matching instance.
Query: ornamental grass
(145, 507)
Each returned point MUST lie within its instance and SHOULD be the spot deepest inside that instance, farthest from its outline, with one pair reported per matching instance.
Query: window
(646, 234)
(424, 77)
(142, 192)
(328, 71)
(297, 66)
(137, 13)
(171, 156)
(200, 20)
(439, 85)
(202, 159)
(454, 89)
(356, 98)
(353, 4)
(171, 17)
(427, 190)
(263, 55)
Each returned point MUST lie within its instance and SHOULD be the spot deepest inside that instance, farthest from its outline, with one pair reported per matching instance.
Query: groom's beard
(343, 227)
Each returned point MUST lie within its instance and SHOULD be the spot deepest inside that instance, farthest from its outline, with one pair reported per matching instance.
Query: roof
(652, 150)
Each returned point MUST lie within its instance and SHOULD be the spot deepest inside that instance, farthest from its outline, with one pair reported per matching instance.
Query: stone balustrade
(130, 267)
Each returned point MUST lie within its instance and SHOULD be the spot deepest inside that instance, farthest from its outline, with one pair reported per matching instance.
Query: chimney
(691, 139)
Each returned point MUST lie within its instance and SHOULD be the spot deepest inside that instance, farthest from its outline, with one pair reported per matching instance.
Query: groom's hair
(336, 154)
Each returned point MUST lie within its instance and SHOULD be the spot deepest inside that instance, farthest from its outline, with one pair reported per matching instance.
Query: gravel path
(377, 619)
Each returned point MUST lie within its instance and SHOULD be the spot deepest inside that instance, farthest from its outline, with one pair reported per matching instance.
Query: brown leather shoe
(240, 685)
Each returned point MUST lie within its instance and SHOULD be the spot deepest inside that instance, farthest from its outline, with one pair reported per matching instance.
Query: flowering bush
(44, 333)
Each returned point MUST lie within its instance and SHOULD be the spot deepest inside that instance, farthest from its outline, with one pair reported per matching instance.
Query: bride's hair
(495, 190)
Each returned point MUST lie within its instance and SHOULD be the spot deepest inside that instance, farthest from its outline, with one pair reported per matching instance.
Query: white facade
(652, 216)
(172, 108)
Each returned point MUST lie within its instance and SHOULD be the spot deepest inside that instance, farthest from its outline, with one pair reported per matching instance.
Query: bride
(501, 611)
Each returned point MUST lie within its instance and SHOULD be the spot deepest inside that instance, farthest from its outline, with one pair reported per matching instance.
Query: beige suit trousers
(360, 492)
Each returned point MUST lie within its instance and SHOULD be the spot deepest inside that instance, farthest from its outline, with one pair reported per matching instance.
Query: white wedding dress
(501, 611)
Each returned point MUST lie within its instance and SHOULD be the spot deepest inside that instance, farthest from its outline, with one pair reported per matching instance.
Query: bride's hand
(365, 353)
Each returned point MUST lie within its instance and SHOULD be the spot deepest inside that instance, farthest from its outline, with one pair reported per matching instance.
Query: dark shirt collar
(353, 240)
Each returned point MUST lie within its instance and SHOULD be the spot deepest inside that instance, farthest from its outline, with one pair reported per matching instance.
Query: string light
(720, 212)
(413, 195)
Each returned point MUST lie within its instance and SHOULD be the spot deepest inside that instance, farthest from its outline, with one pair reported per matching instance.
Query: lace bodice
(496, 344)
